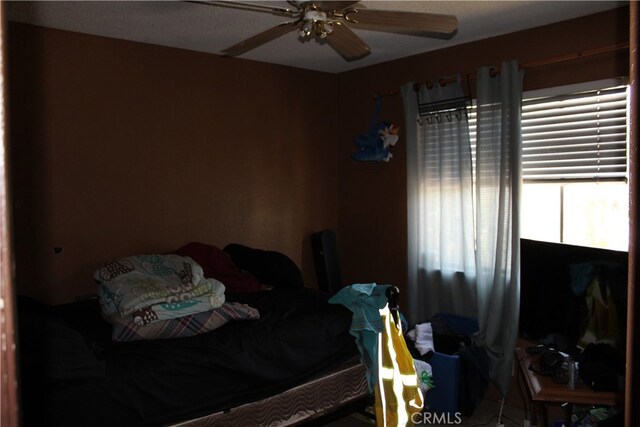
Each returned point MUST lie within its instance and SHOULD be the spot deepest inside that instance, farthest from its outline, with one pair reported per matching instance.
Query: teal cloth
(365, 301)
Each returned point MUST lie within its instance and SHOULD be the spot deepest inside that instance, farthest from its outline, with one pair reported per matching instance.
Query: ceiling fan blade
(328, 6)
(274, 10)
(414, 23)
(260, 39)
(347, 43)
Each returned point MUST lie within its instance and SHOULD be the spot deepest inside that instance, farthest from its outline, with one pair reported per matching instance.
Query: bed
(294, 363)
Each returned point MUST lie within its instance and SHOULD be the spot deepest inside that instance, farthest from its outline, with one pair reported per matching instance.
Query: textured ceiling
(212, 29)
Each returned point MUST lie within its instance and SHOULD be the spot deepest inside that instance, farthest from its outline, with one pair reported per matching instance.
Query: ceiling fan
(330, 22)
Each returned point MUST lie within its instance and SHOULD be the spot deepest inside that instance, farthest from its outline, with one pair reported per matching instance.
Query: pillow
(127, 330)
(217, 264)
(271, 267)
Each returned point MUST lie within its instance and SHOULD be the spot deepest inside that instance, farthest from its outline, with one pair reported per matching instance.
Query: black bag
(598, 367)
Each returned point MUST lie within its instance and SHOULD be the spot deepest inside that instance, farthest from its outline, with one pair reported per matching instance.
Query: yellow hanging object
(602, 323)
(397, 394)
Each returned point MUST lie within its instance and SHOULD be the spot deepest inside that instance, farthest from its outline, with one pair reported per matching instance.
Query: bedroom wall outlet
(526, 423)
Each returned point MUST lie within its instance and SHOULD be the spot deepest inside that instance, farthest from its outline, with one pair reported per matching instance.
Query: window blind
(576, 136)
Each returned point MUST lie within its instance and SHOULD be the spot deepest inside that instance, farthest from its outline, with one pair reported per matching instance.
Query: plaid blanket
(127, 330)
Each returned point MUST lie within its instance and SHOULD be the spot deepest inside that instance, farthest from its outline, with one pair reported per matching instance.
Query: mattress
(72, 374)
(316, 397)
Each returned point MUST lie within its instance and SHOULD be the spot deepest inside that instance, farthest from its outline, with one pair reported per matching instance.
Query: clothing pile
(446, 335)
(422, 337)
(163, 296)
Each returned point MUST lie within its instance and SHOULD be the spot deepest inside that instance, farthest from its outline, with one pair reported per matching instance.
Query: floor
(486, 414)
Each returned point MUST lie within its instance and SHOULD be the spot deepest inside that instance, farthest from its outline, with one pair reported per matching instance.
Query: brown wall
(373, 198)
(121, 148)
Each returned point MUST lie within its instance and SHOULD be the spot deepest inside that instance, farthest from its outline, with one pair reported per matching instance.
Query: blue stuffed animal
(371, 147)
(374, 144)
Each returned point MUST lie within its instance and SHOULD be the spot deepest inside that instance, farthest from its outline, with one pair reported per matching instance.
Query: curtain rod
(527, 65)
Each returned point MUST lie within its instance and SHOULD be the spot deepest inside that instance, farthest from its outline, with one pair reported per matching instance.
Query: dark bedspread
(72, 374)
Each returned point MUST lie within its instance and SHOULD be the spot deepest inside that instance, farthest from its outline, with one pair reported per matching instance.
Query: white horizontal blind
(576, 136)
(472, 117)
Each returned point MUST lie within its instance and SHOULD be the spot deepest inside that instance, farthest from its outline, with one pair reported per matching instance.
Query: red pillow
(218, 264)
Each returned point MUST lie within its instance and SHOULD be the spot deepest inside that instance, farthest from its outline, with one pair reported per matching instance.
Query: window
(579, 213)
(574, 165)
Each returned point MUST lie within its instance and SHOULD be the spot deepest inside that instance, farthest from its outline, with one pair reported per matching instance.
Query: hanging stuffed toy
(374, 145)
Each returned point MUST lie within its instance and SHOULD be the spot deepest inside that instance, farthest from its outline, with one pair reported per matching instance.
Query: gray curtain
(441, 265)
(453, 267)
(498, 184)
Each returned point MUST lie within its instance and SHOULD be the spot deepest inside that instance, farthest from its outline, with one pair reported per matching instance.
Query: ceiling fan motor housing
(315, 15)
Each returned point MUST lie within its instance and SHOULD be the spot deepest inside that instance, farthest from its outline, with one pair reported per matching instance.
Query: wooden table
(537, 391)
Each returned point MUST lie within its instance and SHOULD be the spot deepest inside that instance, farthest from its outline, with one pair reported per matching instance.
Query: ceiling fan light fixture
(306, 29)
(327, 28)
(320, 28)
